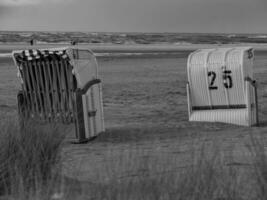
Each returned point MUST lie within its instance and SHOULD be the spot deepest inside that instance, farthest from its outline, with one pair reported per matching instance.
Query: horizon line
(136, 32)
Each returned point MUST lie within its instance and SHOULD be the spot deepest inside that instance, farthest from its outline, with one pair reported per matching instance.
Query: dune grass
(143, 176)
(205, 173)
(31, 168)
(29, 160)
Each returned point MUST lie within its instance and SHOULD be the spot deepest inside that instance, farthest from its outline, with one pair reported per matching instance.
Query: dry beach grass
(30, 160)
(31, 169)
(150, 150)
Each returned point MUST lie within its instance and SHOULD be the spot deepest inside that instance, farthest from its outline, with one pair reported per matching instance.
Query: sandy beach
(145, 109)
(57, 140)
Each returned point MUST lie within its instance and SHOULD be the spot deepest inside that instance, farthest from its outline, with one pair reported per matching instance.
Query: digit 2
(212, 80)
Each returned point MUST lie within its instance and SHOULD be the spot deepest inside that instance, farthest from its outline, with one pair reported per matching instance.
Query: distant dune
(126, 50)
(129, 38)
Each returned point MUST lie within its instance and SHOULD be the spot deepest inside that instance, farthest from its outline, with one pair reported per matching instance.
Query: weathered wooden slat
(25, 90)
(62, 90)
(70, 86)
(73, 87)
(59, 88)
(44, 95)
(37, 86)
(65, 95)
(30, 108)
(51, 89)
(55, 88)
(65, 90)
(32, 87)
(46, 90)
(68, 91)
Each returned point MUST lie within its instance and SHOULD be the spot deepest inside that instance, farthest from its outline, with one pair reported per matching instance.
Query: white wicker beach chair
(61, 85)
(221, 87)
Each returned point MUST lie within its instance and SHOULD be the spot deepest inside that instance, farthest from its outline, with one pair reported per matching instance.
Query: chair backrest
(48, 84)
(217, 77)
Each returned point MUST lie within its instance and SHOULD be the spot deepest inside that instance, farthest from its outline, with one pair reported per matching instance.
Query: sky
(206, 16)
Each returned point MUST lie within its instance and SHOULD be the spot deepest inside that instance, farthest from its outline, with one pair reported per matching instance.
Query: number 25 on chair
(220, 86)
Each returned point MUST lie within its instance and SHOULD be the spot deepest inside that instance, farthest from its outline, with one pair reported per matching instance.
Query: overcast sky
(228, 16)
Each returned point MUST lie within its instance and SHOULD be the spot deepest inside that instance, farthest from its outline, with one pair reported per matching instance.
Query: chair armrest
(88, 85)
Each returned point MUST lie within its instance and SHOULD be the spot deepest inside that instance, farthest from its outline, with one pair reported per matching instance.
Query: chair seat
(232, 116)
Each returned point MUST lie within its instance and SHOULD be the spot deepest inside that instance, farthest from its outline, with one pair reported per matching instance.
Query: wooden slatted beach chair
(221, 87)
(61, 85)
